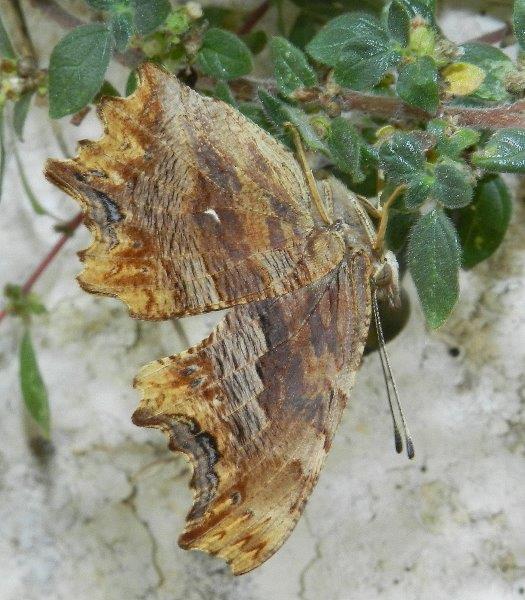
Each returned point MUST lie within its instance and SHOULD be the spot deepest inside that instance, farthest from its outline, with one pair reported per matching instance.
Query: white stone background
(98, 519)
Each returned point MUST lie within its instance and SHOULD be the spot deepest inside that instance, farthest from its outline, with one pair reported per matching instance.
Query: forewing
(192, 207)
(255, 407)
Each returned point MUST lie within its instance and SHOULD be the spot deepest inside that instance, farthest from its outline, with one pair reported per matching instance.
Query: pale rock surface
(99, 518)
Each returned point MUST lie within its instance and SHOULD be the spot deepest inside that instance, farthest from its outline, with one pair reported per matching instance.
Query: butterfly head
(385, 279)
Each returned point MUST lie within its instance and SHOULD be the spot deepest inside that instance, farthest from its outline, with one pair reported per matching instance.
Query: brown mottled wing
(255, 407)
(192, 207)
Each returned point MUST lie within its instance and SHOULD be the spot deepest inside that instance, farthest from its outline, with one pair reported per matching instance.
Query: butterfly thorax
(358, 232)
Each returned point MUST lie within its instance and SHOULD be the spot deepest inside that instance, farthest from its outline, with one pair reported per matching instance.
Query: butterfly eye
(383, 275)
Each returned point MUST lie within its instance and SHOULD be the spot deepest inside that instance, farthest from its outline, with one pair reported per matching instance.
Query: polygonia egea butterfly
(194, 208)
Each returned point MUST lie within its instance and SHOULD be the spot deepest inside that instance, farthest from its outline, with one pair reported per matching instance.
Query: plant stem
(254, 17)
(68, 228)
(14, 22)
(491, 118)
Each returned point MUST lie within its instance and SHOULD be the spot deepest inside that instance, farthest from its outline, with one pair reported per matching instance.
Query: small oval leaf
(482, 225)
(291, 68)
(504, 152)
(518, 21)
(77, 67)
(33, 388)
(401, 157)
(452, 185)
(150, 14)
(344, 144)
(223, 55)
(434, 259)
(417, 84)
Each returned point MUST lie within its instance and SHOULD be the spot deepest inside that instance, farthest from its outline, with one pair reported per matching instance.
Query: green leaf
(256, 41)
(223, 55)
(327, 45)
(121, 24)
(150, 14)
(398, 229)
(496, 65)
(344, 144)
(482, 225)
(504, 152)
(132, 82)
(401, 157)
(35, 204)
(417, 84)
(452, 141)
(279, 113)
(398, 22)
(421, 8)
(518, 21)
(223, 92)
(77, 67)
(256, 114)
(6, 48)
(107, 89)
(367, 55)
(418, 190)
(303, 30)
(452, 184)
(434, 258)
(20, 110)
(291, 68)
(21, 303)
(33, 388)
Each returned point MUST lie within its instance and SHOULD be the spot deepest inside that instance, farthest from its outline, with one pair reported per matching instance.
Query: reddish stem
(254, 17)
(68, 229)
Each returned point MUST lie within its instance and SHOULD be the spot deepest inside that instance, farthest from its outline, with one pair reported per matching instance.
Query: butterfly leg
(310, 180)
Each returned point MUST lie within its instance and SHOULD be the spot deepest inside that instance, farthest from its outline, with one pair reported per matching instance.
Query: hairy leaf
(398, 229)
(291, 68)
(224, 55)
(368, 54)
(452, 141)
(504, 152)
(401, 157)
(279, 113)
(452, 184)
(344, 144)
(121, 24)
(417, 84)
(77, 67)
(398, 22)
(149, 14)
(434, 258)
(418, 190)
(518, 21)
(223, 92)
(482, 224)
(33, 388)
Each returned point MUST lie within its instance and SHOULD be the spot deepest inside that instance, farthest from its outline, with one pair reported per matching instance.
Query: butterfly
(194, 208)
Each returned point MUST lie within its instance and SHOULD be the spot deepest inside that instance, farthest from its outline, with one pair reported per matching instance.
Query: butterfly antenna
(391, 386)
